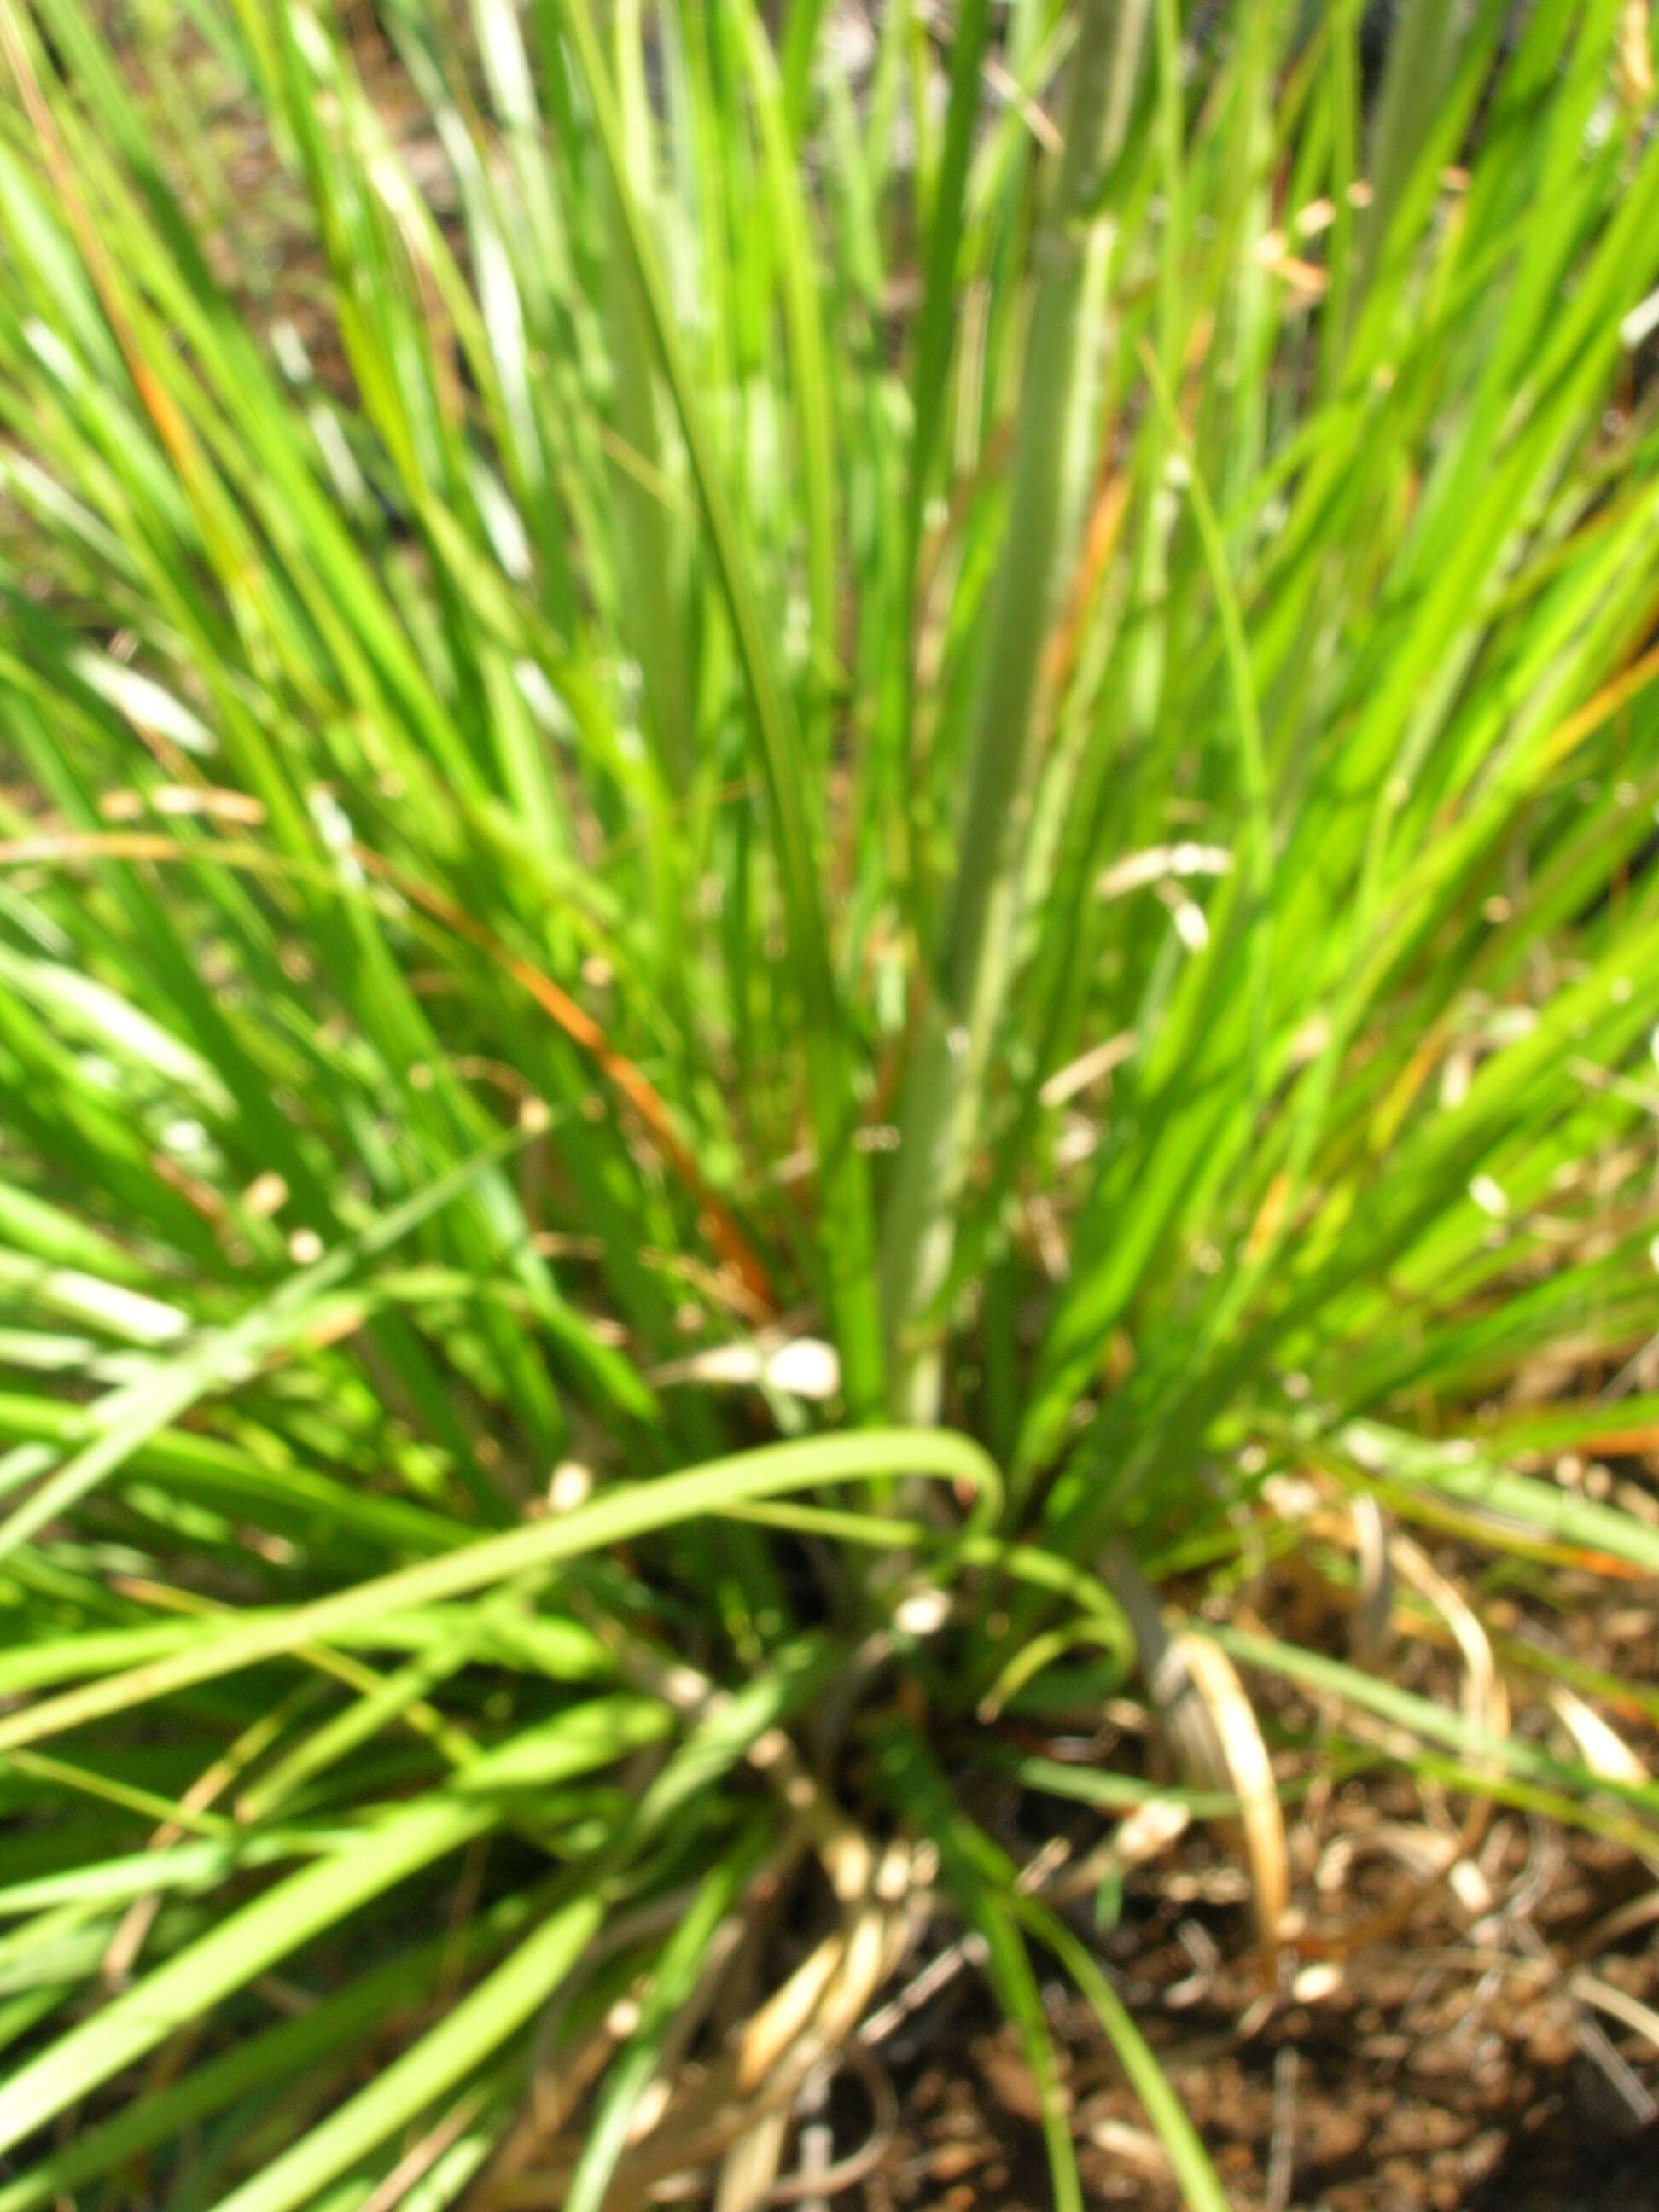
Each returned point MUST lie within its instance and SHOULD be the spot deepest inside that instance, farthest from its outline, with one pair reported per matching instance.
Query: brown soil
(1452, 2070)
(1424, 2044)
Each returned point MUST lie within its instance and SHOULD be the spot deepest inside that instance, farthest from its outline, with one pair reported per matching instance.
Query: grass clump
(713, 740)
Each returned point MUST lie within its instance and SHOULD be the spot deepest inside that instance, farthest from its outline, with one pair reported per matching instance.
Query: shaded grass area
(708, 745)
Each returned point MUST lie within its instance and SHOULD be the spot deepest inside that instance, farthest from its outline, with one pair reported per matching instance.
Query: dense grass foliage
(708, 738)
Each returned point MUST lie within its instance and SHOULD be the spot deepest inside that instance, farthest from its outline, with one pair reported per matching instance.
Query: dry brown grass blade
(1618, 2004)
(1607, 703)
(1633, 70)
(759, 2070)
(1601, 1747)
(1372, 1626)
(1485, 1700)
(818, 2179)
(135, 1922)
(1100, 538)
(1603, 1750)
(783, 2042)
(1388, 1559)
(1211, 1729)
(693, 2116)
(423, 2154)
(1245, 1768)
(562, 2072)
(559, 2081)
(750, 2167)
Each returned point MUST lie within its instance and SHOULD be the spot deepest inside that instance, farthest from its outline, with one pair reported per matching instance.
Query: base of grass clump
(1448, 2011)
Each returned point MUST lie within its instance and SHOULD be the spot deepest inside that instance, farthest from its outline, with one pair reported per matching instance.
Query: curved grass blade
(633, 1510)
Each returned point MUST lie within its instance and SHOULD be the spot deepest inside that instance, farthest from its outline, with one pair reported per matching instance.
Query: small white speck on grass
(1191, 927)
(289, 349)
(341, 462)
(305, 1248)
(266, 1194)
(1640, 323)
(503, 525)
(570, 1486)
(1159, 863)
(1456, 1077)
(801, 1367)
(335, 824)
(1078, 1141)
(1365, 1449)
(146, 705)
(51, 352)
(1149, 1830)
(1489, 1196)
(543, 701)
(1468, 1885)
(924, 1613)
(1089, 1067)
(1130, 2147)
(1315, 1982)
(1290, 1496)
(807, 1368)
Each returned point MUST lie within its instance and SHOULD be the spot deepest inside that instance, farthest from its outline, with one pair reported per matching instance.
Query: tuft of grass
(704, 745)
